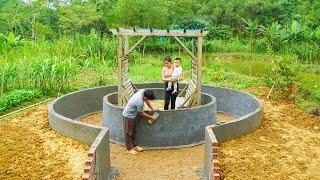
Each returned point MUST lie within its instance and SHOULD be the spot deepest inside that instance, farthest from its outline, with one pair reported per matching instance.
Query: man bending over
(132, 109)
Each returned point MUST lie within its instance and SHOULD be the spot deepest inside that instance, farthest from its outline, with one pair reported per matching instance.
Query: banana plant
(11, 39)
(252, 29)
(273, 36)
(295, 32)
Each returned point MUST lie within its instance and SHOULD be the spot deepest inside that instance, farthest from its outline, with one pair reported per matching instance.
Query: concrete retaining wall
(64, 112)
(247, 110)
(173, 129)
(97, 137)
(98, 160)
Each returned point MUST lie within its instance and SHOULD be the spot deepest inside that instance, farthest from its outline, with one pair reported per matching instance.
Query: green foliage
(273, 37)
(282, 73)
(78, 17)
(252, 29)
(191, 23)
(223, 32)
(233, 45)
(15, 97)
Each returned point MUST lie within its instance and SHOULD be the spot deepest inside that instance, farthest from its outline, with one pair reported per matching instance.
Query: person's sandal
(138, 148)
(132, 151)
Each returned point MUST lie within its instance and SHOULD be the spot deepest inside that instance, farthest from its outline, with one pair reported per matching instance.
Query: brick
(215, 169)
(86, 176)
(92, 152)
(88, 169)
(89, 161)
(214, 143)
(214, 155)
(214, 149)
(216, 176)
(215, 163)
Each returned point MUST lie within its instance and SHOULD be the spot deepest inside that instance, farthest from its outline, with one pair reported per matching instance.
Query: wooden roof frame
(192, 92)
(158, 32)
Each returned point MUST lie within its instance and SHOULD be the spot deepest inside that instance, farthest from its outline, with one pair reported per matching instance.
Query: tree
(251, 28)
(78, 16)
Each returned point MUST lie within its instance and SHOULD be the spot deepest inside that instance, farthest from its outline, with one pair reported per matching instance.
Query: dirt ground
(286, 146)
(29, 149)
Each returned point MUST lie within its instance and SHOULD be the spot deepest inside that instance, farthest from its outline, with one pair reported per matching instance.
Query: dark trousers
(129, 133)
(169, 97)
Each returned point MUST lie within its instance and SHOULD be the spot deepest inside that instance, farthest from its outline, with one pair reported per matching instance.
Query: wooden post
(199, 72)
(126, 44)
(119, 57)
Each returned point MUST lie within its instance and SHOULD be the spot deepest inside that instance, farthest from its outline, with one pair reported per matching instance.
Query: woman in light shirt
(167, 71)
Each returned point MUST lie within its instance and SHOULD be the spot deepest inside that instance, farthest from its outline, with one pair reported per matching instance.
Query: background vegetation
(54, 46)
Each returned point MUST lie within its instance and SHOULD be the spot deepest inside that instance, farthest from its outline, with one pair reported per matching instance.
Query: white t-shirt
(134, 105)
(177, 71)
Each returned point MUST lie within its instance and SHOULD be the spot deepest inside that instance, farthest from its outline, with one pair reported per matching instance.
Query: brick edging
(90, 162)
(214, 156)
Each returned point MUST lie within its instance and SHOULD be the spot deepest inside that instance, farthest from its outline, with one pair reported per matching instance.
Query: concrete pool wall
(173, 129)
(66, 110)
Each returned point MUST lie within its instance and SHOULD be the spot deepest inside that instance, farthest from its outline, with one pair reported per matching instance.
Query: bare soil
(94, 119)
(29, 149)
(286, 146)
(223, 117)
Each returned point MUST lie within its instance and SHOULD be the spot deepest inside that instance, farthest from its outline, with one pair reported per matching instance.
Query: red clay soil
(29, 149)
(286, 146)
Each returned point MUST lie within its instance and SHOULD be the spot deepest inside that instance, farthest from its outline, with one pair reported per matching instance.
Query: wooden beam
(199, 72)
(126, 44)
(134, 46)
(119, 57)
(184, 47)
(158, 32)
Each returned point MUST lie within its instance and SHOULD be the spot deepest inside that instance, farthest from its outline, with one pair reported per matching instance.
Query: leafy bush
(282, 74)
(16, 97)
(191, 23)
(231, 46)
(223, 32)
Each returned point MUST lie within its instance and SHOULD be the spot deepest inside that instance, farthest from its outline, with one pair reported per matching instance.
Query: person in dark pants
(133, 108)
(167, 71)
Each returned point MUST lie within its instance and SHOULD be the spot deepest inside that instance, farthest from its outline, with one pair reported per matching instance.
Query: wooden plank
(183, 90)
(158, 32)
(127, 83)
(199, 70)
(119, 55)
(131, 92)
(124, 76)
(194, 77)
(184, 47)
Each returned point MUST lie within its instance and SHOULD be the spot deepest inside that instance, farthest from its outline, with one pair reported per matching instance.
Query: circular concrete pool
(174, 128)
(177, 128)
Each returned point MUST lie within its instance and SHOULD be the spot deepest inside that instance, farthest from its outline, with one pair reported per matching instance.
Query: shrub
(15, 97)
(223, 32)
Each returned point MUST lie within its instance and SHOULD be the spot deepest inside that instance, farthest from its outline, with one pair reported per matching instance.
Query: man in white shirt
(132, 109)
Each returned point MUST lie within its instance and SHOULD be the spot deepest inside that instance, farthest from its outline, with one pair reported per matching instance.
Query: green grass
(16, 97)
(250, 68)
(309, 84)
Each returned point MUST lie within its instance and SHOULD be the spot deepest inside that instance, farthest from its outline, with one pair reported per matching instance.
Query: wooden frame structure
(191, 94)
